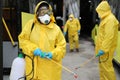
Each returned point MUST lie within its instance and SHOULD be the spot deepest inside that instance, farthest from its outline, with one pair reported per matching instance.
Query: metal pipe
(1, 43)
(5, 25)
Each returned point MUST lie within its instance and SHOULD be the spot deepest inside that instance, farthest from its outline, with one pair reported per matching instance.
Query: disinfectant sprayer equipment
(18, 68)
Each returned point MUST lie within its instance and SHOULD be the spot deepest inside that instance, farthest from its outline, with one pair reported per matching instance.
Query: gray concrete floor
(90, 71)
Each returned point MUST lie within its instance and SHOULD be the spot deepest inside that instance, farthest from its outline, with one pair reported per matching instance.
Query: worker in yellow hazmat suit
(106, 41)
(73, 26)
(44, 41)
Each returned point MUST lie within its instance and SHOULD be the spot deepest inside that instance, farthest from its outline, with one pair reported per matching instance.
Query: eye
(43, 12)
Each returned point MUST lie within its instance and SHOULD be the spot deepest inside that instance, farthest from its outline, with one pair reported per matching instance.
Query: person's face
(43, 10)
(70, 18)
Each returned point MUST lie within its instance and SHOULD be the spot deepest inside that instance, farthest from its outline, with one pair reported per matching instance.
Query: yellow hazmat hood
(50, 8)
(103, 9)
(71, 15)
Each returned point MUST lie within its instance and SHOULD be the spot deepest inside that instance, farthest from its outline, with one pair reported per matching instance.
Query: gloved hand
(38, 52)
(100, 52)
(78, 32)
(64, 33)
(49, 55)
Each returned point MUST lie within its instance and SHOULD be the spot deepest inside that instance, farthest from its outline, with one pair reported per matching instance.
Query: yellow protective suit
(73, 27)
(106, 40)
(119, 27)
(48, 38)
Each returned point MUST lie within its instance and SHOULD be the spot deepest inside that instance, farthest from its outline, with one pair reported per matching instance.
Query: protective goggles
(44, 10)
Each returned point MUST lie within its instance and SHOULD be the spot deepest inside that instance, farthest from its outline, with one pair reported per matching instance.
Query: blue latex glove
(49, 55)
(78, 32)
(64, 33)
(38, 52)
(100, 52)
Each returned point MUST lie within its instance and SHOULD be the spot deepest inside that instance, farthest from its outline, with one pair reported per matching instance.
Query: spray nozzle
(20, 53)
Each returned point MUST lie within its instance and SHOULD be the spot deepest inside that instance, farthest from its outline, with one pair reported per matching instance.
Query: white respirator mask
(70, 19)
(44, 19)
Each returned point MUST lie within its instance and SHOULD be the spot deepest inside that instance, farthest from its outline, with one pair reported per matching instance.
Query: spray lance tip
(75, 76)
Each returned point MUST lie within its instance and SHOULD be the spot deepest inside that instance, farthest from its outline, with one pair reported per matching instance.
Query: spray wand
(86, 62)
(75, 75)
